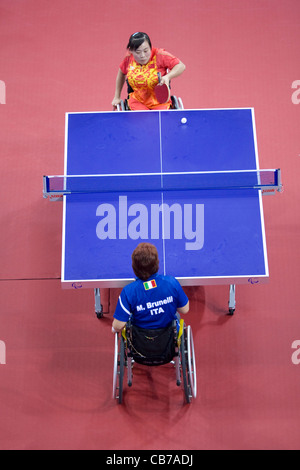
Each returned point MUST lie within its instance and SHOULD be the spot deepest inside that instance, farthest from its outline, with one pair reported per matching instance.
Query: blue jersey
(152, 304)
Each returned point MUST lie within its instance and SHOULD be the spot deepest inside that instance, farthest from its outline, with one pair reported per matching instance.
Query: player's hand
(165, 81)
(116, 102)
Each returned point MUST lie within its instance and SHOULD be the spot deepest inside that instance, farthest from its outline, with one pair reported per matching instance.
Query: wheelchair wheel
(123, 106)
(119, 365)
(188, 364)
(192, 362)
(176, 102)
(180, 103)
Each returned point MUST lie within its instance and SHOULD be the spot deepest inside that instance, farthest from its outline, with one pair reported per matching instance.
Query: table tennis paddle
(162, 92)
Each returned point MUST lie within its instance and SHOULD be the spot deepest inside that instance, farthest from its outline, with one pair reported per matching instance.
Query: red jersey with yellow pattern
(143, 78)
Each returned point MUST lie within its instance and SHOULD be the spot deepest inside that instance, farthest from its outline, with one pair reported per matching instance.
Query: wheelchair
(123, 106)
(155, 348)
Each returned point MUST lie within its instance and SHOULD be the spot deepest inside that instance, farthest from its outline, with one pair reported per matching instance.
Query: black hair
(136, 40)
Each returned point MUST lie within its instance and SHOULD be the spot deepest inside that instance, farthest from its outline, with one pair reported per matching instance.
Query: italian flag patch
(149, 285)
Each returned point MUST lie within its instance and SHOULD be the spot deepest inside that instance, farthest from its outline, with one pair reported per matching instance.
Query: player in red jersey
(141, 67)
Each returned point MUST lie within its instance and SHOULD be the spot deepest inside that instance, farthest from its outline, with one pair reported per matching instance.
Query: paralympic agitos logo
(159, 221)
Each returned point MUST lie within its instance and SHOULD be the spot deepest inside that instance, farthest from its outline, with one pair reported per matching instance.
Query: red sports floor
(55, 388)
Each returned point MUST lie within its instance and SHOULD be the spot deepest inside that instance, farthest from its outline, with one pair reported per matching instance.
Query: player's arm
(184, 309)
(119, 86)
(118, 326)
(122, 313)
(182, 299)
(177, 70)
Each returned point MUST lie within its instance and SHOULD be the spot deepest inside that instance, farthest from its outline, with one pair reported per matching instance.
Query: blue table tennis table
(203, 236)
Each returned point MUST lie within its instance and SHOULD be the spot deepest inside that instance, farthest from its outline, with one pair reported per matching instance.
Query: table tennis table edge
(184, 281)
(250, 108)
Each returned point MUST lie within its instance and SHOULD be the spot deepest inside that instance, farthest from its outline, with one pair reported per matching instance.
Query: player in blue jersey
(152, 300)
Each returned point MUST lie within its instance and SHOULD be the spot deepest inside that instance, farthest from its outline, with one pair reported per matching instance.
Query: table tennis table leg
(231, 299)
(98, 305)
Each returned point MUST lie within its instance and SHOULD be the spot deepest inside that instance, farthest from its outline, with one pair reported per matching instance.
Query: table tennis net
(179, 181)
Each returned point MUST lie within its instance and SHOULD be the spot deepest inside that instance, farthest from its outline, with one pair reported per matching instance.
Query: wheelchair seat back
(152, 347)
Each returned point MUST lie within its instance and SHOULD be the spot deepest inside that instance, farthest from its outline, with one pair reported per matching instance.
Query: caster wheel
(99, 314)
